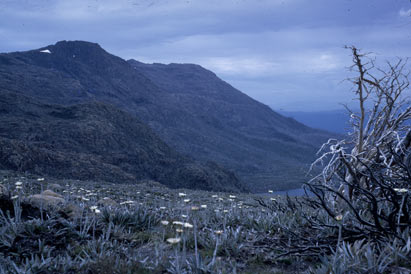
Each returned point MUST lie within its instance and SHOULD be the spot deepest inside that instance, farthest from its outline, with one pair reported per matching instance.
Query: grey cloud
(283, 53)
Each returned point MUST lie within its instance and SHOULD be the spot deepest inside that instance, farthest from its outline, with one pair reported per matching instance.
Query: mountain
(95, 141)
(262, 147)
(187, 106)
(333, 120)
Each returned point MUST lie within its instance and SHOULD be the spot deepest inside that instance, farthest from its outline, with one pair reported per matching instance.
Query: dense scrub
(96, 141)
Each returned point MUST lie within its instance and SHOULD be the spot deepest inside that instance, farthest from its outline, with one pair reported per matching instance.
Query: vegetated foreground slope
(190, 108)
(95, 141)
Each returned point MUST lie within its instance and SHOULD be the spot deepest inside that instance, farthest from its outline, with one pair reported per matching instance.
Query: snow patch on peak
(45, 51)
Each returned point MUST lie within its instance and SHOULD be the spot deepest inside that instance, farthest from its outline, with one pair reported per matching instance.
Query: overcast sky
(288, 54)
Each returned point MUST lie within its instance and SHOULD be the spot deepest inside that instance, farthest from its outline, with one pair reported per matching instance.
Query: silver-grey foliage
(365, 183)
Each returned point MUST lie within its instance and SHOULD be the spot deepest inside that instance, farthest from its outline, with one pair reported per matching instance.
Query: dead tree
(367, 179)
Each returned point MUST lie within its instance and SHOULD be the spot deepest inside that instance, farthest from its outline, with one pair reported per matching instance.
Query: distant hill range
(76, 101)
(336, 121)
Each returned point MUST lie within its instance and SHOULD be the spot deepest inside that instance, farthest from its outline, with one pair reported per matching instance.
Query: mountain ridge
(261, 125)
(188, 107)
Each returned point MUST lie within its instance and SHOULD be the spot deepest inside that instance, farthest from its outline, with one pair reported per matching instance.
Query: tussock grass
(151, 229)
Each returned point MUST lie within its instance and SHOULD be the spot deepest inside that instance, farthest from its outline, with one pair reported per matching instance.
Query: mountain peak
(77, 44)
(65, 47)
(74, 49)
